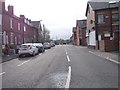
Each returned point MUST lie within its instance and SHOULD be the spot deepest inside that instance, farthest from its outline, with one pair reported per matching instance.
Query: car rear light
(29, 46)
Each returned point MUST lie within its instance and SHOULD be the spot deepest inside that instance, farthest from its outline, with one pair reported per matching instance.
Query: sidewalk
(6, 58)
(111, 56)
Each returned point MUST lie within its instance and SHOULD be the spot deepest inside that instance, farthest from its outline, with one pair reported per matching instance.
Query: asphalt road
(64, 66)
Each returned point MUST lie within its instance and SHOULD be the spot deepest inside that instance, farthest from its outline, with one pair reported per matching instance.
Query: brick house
(37, 25)
(74, 36)
(104, 22)
(81, 32)
(16, 30)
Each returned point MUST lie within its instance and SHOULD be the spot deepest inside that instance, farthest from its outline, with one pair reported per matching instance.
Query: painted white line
(2, 73)
(68, 78)
(23, 63)
(66, 53)
(107, 58)
(65, 49)
(112, 60)
(68, 58)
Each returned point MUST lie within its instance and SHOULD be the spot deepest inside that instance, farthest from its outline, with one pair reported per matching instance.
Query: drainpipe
(0, 31)
(119, 27)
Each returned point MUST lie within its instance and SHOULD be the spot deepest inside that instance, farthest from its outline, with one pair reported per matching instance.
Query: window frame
(100, 18)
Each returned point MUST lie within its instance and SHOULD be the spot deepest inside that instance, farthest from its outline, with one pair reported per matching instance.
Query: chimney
(3, 6)
(22, 17)
(10, 9)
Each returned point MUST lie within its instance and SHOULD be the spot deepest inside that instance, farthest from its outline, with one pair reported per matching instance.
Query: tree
(46, 34)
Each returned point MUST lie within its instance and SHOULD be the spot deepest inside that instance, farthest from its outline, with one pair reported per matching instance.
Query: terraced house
(16, 30)
(103, 25)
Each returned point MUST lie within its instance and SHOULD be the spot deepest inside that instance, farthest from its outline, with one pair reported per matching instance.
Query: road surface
(63, 66)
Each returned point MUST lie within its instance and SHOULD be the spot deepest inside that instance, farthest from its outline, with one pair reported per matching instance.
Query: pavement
(6, 58)
(111, 56)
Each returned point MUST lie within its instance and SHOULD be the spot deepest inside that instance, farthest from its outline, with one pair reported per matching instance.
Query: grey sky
(59, 16)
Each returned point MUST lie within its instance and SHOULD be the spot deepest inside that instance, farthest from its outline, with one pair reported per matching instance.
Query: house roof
(36, 24)
(74, 29)
(81, 23)
(102, 4)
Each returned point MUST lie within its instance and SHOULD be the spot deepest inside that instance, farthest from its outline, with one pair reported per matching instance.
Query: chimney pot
(10, 9)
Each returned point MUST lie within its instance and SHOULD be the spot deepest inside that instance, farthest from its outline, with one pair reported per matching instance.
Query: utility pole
(119, 27)
(43, 33)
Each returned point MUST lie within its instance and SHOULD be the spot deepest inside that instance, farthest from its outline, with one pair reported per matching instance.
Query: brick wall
(107, 27)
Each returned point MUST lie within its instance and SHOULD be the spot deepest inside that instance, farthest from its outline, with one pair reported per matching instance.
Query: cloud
(59, 16)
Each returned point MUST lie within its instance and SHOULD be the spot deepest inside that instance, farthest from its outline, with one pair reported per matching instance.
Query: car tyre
(33, 53)
(20, 56)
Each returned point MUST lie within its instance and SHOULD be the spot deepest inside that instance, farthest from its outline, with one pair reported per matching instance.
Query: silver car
(27, 49)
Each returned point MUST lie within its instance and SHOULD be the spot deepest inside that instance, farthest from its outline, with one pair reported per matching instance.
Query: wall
(92, 38)
(107, 28)
(91, 35)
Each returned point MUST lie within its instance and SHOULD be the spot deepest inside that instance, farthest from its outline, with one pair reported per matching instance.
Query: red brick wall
(109, 45)
(29, 33)
(84, 37)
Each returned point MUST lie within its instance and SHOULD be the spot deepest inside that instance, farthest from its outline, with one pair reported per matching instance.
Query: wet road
(60, 67)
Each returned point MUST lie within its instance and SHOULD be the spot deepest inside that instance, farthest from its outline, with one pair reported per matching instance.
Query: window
(19, 39)
(24, 28)
(0, 19)
(115, 16)
(11, 23)
(100, 19)
(25, 20)
(12, 38)
(19, 26)
(91, 21)
(15, 40)
(115, 19)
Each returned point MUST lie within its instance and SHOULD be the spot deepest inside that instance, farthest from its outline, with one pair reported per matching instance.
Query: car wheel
(33, 53)
(20, 56)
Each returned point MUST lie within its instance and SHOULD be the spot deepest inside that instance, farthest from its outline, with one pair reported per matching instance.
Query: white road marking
(112, 60)
(66, 53)
(2, 73)
(68, 78)
(65, 49)
(23, 63)
(68, 58)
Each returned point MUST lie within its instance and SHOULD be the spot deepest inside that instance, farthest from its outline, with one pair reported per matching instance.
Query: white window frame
(0, 19)
(18, 26)
(11, 23)
(24, 29)
(16, 40)
(12, 38)
(19, 40)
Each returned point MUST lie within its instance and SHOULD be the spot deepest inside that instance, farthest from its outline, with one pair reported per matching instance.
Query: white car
(40, 47)
(28, 49)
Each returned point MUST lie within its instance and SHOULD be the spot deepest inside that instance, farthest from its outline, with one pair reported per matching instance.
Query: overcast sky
(59, 16)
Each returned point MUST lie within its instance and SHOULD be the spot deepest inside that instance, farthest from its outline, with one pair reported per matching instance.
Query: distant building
(103, 25)
(81, 32)
(74, 36)
(37, 25)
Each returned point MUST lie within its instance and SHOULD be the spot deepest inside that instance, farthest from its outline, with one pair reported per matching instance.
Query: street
(63, 66)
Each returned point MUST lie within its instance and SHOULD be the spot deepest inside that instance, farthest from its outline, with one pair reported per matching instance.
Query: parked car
(47, 45)
(52, 44)
(40, 47)
(27, 49)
